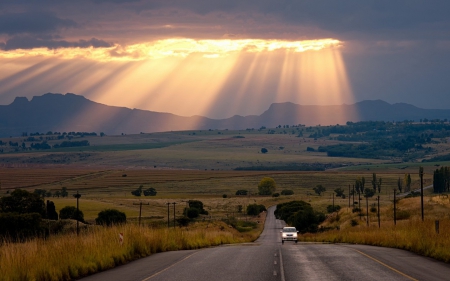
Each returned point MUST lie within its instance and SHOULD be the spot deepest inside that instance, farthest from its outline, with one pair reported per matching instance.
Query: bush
(224, 196)
(183, 221)
(373, 209)
(287, 192)
(330, 208)
(299, 214)
(18, 227)
(70, 212)
(264, 150)
(192, 213)
(354, 222)
(150, 192)
(110, 217)
(356, 210)
(242, 192)
(276, 195)
(255, 209)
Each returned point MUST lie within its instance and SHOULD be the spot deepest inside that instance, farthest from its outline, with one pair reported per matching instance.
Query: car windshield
(290, 229)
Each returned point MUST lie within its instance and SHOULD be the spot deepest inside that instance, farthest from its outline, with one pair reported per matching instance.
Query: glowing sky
(220, 58)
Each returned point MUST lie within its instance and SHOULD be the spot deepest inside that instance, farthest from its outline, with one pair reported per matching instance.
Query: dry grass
(68, 257)
(410, 234)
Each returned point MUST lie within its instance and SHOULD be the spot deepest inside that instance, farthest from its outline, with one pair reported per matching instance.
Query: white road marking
(281, 266)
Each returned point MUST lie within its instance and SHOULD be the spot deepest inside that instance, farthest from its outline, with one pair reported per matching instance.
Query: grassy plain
(200, 165)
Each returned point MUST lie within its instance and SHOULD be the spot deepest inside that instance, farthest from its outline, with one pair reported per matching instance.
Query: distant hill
(74, 113)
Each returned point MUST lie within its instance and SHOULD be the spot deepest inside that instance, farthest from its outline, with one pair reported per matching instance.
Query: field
(201, 165)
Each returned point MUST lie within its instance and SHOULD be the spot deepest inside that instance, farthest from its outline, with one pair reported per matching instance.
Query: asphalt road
(268, 259)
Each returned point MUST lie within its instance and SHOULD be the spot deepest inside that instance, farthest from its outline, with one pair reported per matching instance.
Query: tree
(368, 192)
(242, 192)
(192, 213)
(150, 192)
(287, 192)
(264, 150)
(22, 202)
(267, 186)
(111, 217)
(255, 209)
(57, 193)
(407, 182)
(197, 204)
(71, 212)
(400, 185)
(51, 211)
(374, 181)
(64, 192)
(379, 185)
(319, 189)
(40, 192)
(339, 192)
(137, 192)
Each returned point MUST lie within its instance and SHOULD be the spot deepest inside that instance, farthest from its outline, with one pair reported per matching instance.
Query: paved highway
(268, 259)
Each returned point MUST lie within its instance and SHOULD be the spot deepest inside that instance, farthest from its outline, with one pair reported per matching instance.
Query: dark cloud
(29, 42)
(32, 22)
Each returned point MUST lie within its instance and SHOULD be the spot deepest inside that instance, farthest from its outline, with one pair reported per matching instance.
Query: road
(268, 259)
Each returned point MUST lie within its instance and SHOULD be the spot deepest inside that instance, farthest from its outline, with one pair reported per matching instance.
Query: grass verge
(67, 257)
(412, 235)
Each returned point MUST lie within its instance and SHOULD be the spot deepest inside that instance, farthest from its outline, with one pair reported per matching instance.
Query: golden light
(216, 78)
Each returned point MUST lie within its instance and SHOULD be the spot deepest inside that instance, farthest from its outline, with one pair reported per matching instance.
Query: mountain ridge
(70, 112)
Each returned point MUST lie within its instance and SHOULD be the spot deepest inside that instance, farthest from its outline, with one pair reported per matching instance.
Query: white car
(289, 233)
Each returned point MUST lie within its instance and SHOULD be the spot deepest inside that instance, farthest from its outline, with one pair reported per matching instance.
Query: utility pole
(140, 210)
(168, 218)
(367, 209)
(333, 202)
(378, 209)
(78, 211)
(349, 196)
(174, 214)
(395, 214)
(421, 189)
(359, 204)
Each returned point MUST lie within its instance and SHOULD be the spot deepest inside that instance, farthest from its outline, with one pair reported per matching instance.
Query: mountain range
(75, 113)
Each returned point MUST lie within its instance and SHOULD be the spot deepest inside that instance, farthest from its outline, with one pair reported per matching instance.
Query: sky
(222, 58)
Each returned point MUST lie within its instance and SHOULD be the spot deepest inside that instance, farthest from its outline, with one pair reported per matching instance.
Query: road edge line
(382, 263)
(172, 265)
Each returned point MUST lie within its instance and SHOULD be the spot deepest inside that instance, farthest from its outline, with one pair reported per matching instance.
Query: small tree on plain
(111, 217)
(70, 212)
(266, 186)
(264, 150)
(319, 189)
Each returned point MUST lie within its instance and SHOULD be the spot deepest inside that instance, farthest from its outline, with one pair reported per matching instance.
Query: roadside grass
(410, 233)
(68, 257)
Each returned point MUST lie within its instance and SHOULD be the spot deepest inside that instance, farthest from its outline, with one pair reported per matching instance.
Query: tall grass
(412, 235)
(67, 257)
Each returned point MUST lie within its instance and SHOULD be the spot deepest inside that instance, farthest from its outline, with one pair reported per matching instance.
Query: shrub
(192, 213)
(264, 150)
(183, 221)
(255, 209)
(354, 222)
(111, 217)
(150, 192)
(18, 227)
(266, 186)
(287, 192)
(276, 195)
(242, 192)
(331, 209)
(373, 209)
(224, 196)
(70, 212)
